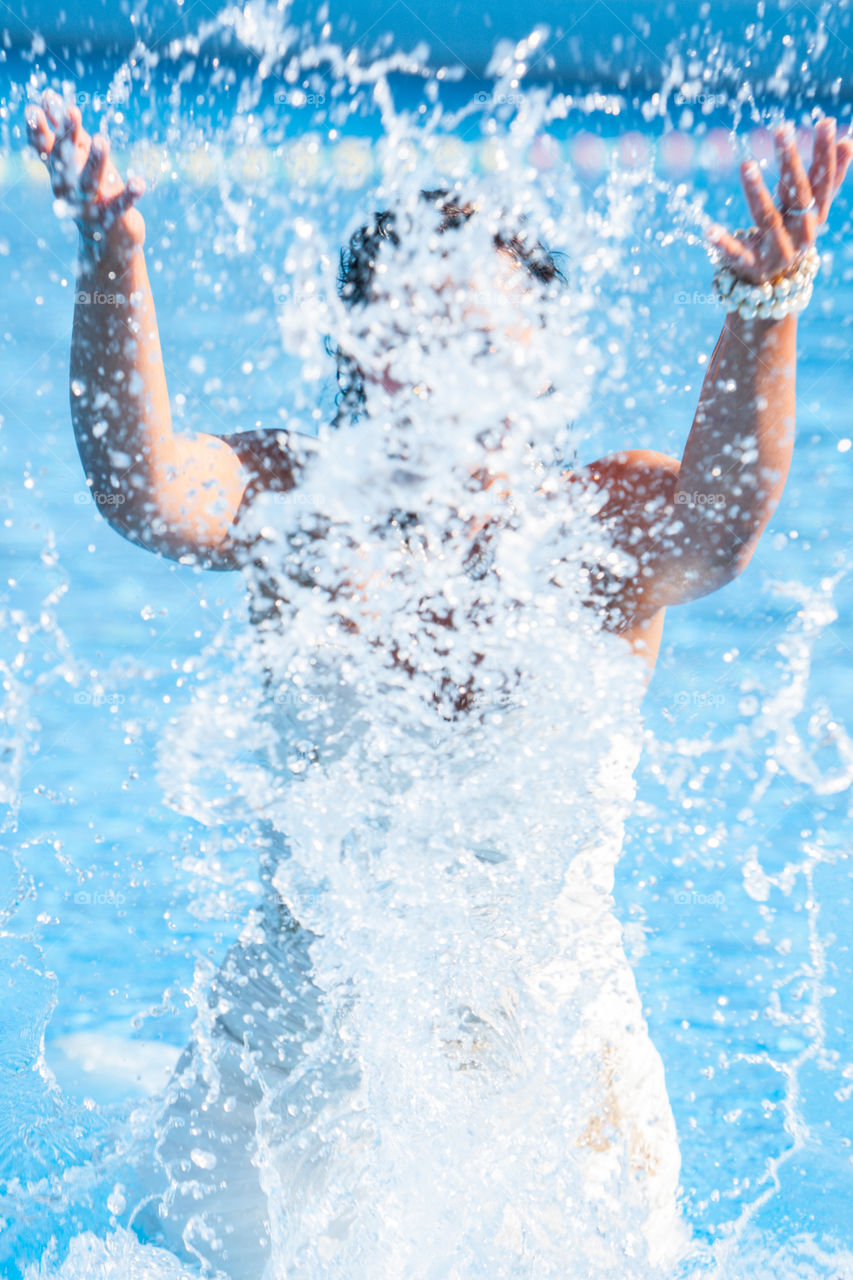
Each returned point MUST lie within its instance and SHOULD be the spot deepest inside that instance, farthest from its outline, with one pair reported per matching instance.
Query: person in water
(691, 525)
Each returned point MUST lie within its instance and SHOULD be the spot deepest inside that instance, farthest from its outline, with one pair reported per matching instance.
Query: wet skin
(692, 524)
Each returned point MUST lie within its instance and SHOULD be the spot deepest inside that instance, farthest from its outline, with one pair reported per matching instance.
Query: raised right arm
(173, 494)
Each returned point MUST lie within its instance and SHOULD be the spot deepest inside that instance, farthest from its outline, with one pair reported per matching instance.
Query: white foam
(117, 1256)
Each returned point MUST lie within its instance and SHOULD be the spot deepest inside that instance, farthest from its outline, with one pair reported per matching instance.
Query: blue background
(613, 44)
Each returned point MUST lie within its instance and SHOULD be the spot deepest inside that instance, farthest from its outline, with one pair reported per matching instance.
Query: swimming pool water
(109, 898)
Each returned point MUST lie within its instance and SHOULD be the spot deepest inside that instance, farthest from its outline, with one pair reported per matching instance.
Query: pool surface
(734, 884)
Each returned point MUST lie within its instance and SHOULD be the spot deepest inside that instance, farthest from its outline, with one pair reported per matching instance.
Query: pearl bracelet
(787, 294)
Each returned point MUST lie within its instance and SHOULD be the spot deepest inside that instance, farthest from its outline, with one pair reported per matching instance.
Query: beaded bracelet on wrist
(788, 294)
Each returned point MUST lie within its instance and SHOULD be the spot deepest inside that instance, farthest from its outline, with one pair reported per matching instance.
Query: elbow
(125, 510)
(717, 544)
(119, 514)
(736, 560)
(712, 572)
(119, 500)
(109, 502)
(167, 528)
(692, 577)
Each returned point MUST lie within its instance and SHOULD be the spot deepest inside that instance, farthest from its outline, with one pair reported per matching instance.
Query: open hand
(84, 177)
(785, 228)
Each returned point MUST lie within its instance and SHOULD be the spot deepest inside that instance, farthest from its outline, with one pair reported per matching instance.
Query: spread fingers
(798, 205)
(734, 249)
(843, 156)
(95, 166)
(823, 167)
(766, 216)
(39, 132)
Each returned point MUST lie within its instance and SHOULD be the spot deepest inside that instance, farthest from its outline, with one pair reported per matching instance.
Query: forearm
(174, 493)
(693, 525)
(738, 454)
(119, 400)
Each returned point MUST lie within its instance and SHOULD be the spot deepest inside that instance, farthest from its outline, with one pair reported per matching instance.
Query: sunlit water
(378, 905)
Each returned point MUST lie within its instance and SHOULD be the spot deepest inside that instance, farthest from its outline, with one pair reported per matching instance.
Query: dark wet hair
(357, 270)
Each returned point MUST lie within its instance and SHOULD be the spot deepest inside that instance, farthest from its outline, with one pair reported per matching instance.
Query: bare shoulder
(639, 510)
(271, 457)
(272, 461)
(640, 487)
(631, 478)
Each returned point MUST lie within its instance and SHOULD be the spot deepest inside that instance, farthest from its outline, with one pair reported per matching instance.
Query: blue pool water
(110, 898)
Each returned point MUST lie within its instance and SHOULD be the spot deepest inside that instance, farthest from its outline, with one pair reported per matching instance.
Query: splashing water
(451, 745)
(425, 1053)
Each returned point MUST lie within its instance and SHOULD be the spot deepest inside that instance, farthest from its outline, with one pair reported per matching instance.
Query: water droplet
(204, 1159)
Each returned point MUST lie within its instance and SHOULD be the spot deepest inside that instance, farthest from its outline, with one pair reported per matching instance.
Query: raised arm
(173, 494)
(693, 525)
(739, 450)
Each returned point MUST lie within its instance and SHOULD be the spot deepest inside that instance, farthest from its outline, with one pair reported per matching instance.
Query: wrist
(112, 247)
(786, 294)
(751, 327)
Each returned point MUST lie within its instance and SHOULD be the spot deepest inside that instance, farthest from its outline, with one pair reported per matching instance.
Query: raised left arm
(693, 525)
(738, 454)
